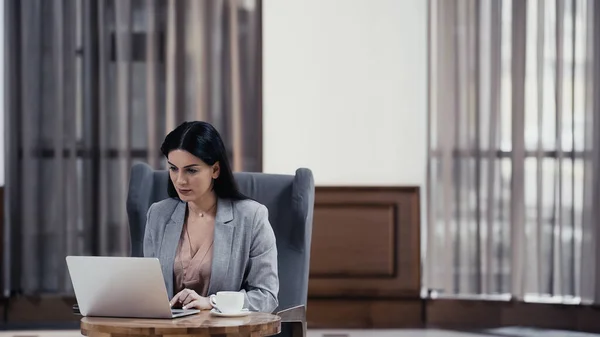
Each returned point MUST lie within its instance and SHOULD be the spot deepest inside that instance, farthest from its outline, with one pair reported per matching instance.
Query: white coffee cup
(228, 302)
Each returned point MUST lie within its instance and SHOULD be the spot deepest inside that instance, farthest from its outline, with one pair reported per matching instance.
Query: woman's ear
(216, 170)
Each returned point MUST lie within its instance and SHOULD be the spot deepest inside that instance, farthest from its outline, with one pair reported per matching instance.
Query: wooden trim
(460, 313)
(368, 313)
(364, 314)
(30, 309)
(2, 224)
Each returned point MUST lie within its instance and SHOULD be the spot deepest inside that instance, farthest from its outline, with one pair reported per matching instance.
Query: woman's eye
(172, 168)
(192, 171)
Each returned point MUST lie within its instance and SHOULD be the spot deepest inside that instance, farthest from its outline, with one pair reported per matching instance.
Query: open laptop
(121, 287)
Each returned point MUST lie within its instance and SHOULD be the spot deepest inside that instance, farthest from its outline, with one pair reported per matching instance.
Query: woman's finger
(195, 304)
(190, 297)
(175, 298)
(201, 303)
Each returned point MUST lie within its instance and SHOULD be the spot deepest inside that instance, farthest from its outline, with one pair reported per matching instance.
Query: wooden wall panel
(365, 243)
(365, 258)
(342, 249)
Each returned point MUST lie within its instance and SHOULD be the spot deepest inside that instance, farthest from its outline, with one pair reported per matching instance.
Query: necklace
(201, 214)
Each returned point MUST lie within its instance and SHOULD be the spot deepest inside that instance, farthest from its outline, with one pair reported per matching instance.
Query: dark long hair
(203, 141)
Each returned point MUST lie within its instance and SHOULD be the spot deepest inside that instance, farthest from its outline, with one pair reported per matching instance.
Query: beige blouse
(193, 260)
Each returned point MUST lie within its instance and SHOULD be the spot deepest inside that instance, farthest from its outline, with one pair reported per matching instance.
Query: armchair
(290, 201)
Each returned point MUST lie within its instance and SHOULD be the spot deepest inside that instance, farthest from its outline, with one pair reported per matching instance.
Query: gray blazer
(244, 250)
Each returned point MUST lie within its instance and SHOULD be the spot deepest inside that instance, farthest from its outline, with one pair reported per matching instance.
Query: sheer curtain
(514, 157)
(95, 85)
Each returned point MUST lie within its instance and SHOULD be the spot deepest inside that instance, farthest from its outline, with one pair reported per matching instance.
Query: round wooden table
(201, 324)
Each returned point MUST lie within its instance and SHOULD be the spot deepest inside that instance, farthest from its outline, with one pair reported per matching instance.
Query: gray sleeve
(261, 285)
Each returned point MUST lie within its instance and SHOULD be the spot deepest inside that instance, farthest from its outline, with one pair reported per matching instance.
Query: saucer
(241, 313)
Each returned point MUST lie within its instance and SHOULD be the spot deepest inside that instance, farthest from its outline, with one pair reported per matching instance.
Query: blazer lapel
(168, 247)
(223, 239)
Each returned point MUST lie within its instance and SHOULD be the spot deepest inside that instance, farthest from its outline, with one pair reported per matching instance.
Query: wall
(345, 94)
(344, 90)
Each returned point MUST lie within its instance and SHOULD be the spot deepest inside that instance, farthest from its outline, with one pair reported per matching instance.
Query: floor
(500, 332)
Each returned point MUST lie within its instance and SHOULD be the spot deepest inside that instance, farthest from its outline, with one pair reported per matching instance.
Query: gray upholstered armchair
(290, 201)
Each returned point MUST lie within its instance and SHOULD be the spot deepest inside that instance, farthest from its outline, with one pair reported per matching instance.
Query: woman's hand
(189, 299)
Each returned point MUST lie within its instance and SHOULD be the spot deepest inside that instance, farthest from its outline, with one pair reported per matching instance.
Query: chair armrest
(293, 314)
(295, 317)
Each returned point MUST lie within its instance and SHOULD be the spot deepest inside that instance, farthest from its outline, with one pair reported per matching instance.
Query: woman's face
(191, 176)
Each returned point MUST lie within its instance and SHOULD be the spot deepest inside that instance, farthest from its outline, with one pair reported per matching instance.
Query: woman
(207, 235)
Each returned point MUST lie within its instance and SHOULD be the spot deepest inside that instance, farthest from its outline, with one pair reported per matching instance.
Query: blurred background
(460, 139)
(96, 85)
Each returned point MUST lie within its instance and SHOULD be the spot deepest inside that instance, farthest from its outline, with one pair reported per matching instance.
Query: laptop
(131, 287)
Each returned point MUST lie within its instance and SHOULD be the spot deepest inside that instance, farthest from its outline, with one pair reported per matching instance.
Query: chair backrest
(289, 199)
